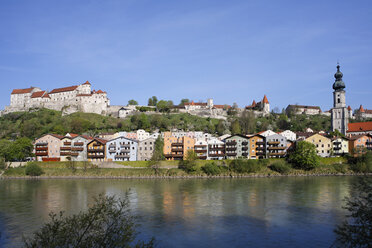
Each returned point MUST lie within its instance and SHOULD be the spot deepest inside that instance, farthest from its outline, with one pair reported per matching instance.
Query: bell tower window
(338, 100)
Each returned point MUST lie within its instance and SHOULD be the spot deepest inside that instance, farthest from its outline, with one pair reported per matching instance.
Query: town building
(201, 149)
(276, 146)
(323, 144)
(363, 113)
(96, 150)
(237, 146)
(216, 149)
(359, 144)
(289, 135)
(339, 112)
(47, 147)
(340, 146)
(142, 134)
(65, 149)
(267, 133)
(67, 99)
(79, 147)
(146, 149)
(121, 149)
(257, 146)
(302, 109)
(176, 148)
(359, 128)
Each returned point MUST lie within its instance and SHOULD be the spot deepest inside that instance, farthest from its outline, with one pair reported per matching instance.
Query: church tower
(339, 113)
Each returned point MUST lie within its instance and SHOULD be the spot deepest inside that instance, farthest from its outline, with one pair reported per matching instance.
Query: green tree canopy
(304, 156)
(132, 102)
(183, 101)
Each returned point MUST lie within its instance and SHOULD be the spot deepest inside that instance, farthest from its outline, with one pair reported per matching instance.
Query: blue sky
(232, 51)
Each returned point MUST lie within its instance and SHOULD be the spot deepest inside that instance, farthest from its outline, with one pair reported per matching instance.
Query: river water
(247, 212)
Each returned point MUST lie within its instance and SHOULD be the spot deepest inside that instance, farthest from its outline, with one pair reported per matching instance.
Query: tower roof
(86, 83)
(349, 108)
(361, 109)
(338, 84)
(265, 99)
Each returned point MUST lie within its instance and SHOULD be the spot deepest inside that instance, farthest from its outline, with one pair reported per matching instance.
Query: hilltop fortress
(78, 98)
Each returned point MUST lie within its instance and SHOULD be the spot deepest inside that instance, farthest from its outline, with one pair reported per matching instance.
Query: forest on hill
(43, 121)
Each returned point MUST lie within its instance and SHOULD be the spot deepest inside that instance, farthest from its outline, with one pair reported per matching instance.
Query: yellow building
(176, 148)
(323, 144)
(96, 150)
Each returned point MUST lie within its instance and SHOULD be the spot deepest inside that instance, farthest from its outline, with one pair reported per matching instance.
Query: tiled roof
(99, 92)
(57, 136)
(221, 106)
(349, 108)
(196, 103)
(87, 82)
(38, 94)
(355, 137)
(361, 109)
(265, 99)
(304, 106)
(65, 89)
(22, 91)
(360, 126)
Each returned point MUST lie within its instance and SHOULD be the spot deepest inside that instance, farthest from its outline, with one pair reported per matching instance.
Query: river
(255, 212)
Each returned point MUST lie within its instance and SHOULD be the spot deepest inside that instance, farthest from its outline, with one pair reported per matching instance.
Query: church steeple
(338, 84)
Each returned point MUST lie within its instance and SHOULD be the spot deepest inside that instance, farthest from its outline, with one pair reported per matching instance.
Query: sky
(231, 51)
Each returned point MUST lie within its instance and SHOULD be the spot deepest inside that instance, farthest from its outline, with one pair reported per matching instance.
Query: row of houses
(140, 145)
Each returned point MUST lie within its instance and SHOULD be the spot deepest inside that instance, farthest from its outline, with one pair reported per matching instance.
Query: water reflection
(268, 212)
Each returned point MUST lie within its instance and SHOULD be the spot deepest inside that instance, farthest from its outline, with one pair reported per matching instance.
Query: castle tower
(265, 105)
(339, 112)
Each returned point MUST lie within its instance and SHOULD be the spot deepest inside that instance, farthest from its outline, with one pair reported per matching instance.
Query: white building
(289, 135)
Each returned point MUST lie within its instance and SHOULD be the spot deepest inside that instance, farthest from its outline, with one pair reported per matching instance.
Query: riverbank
(63, 170)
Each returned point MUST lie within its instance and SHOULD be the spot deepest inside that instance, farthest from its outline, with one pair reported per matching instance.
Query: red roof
(22, 91)
(349, 108)
(361, 109)
(99, 92)
(87, 82)
(253, 103)
(42, 94)
(57, 136)
(265, 99)
(65, 89)
(360, 126)
(83, 94)
(196, 103)
(221, 106)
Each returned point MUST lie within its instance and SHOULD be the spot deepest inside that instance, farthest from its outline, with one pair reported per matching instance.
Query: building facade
(48, 147)
(276, 146)
(323, 144)
(176, 148)
(340, 146)
(339, 112)
(121, 149)
(257, 146)
(146, 149)
(96, 150)
(237, 146)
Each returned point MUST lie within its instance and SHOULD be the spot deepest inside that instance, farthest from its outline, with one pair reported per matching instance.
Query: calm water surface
(255, 212)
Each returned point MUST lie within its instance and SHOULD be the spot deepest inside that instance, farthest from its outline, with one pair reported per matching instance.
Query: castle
(78, 98)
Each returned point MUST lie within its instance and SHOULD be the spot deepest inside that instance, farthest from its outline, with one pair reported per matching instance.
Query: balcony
(260, 148)
(221, 148)
(95, 156)
(200, 146)
(231, 154)
(65, 153)
(177, 155)
(96, 150)
(230, 149)
(214, 155)
(276, 154)
(258, 153)
(336, 143)
(336, 148)
(273, 142)
(41, 153)
(231, 143)
(41, 148)
(124, 145)
(122, 156)
(177, 144)
(64, 148)
(66, 143)
(177, 149)
(276, 148)
(244, 148)
(80, 149)
(244, 143)
(78, 143)
(201, 151)
(75, 154)
(260, 143)
(245, 154)
(202, 157)
(41, 144)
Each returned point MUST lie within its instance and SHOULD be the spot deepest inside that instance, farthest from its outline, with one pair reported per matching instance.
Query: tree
(356, 230)
(152, 101)
(235, 127)
(304, 156)
(189, 163)
(164, 106)
(157, 156)
(247, 122)
(220, 127)
(183, 101)
(132, 102)
(107, 223)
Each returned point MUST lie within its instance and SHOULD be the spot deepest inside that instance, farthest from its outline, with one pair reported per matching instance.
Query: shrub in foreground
(280, 166)
(304, 156)
(245, 166)
(361, 163)
(33, 169)
(211, 169)
(108, 223)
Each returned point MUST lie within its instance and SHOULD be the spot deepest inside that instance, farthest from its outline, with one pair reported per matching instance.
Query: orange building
(359, 143)
(257, 147)
(96, 150)
(176, 148)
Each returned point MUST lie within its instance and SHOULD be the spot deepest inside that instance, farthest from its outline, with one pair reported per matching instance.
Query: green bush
(304, 156)
(361, 164)
(280, 166)
(2, 163)
(245, 166)
(211, 169)
(33, 169)
(340, 168)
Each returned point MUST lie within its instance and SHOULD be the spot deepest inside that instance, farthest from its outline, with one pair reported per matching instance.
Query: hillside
(35, 124)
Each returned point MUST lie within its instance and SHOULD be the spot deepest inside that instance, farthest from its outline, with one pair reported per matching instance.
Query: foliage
(164, 106)
(33, 169)
(356, 230)
(183, 101)
(189, 163)
(361, 163)
(132, 102)
(2, 163)
(152, 101)
(18, 150)
(211, 169)
(281, 166)
(304, 156)
(157, 156)
(245, 166)
(107, 223)
(235, 127)
(247, 122)
(145, 109)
